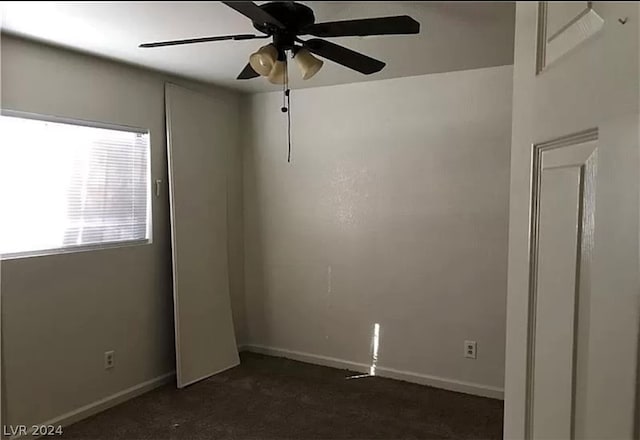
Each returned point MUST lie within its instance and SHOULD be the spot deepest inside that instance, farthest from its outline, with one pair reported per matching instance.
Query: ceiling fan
(284, 22)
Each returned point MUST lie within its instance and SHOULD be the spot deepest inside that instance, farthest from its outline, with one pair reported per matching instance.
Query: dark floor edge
(389, 373)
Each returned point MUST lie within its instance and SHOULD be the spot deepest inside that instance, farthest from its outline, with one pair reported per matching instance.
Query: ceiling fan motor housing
(294, 16)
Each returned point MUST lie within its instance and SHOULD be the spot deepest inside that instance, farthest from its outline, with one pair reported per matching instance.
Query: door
(199, 136)
(574, 286)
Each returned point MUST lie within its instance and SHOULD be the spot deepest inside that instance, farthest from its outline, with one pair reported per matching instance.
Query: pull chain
(286, 106)
(288, 95)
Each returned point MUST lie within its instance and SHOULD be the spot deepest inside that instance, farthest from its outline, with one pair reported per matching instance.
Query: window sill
(75, 249)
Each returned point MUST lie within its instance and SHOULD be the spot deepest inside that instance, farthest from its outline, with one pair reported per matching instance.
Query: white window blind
(67, 186)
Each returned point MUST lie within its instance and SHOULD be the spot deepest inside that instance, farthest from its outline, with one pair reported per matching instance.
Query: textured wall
(394, 211)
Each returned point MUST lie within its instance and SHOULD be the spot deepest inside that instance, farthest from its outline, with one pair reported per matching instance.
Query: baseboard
(106, 403)
(408, 376)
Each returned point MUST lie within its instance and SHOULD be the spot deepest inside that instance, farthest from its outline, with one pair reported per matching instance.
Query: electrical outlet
(109, 359)
(470, 349)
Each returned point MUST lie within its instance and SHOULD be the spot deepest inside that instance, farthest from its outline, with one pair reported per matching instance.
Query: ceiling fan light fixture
(278, 72)
(264, 59)
(308, 64)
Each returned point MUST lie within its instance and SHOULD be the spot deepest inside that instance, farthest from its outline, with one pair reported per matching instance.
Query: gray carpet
(275, 398)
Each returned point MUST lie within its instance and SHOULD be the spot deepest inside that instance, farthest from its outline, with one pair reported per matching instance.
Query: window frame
(95, 246)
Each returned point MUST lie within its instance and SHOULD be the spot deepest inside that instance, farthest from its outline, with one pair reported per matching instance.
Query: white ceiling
(453, 36)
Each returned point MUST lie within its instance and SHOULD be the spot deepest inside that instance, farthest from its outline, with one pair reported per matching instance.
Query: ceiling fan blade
(254, 12)
(248, 73)
(401, 24)
(344, 56)
(203, 40)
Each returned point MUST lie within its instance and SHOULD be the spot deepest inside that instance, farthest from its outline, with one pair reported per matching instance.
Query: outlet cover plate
(470, 349)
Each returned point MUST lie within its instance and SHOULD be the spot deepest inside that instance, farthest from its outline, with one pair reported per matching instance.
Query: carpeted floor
(274, 398)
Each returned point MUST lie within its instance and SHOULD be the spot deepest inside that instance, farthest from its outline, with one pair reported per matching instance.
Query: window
(68, 186)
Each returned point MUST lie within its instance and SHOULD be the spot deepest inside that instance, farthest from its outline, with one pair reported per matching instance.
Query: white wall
(394, 210)
(60, 313)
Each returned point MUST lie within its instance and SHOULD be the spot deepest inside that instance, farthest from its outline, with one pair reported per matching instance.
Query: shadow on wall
(255, 282)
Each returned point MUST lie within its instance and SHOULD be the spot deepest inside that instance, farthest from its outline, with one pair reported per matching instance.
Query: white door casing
(573, 300)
